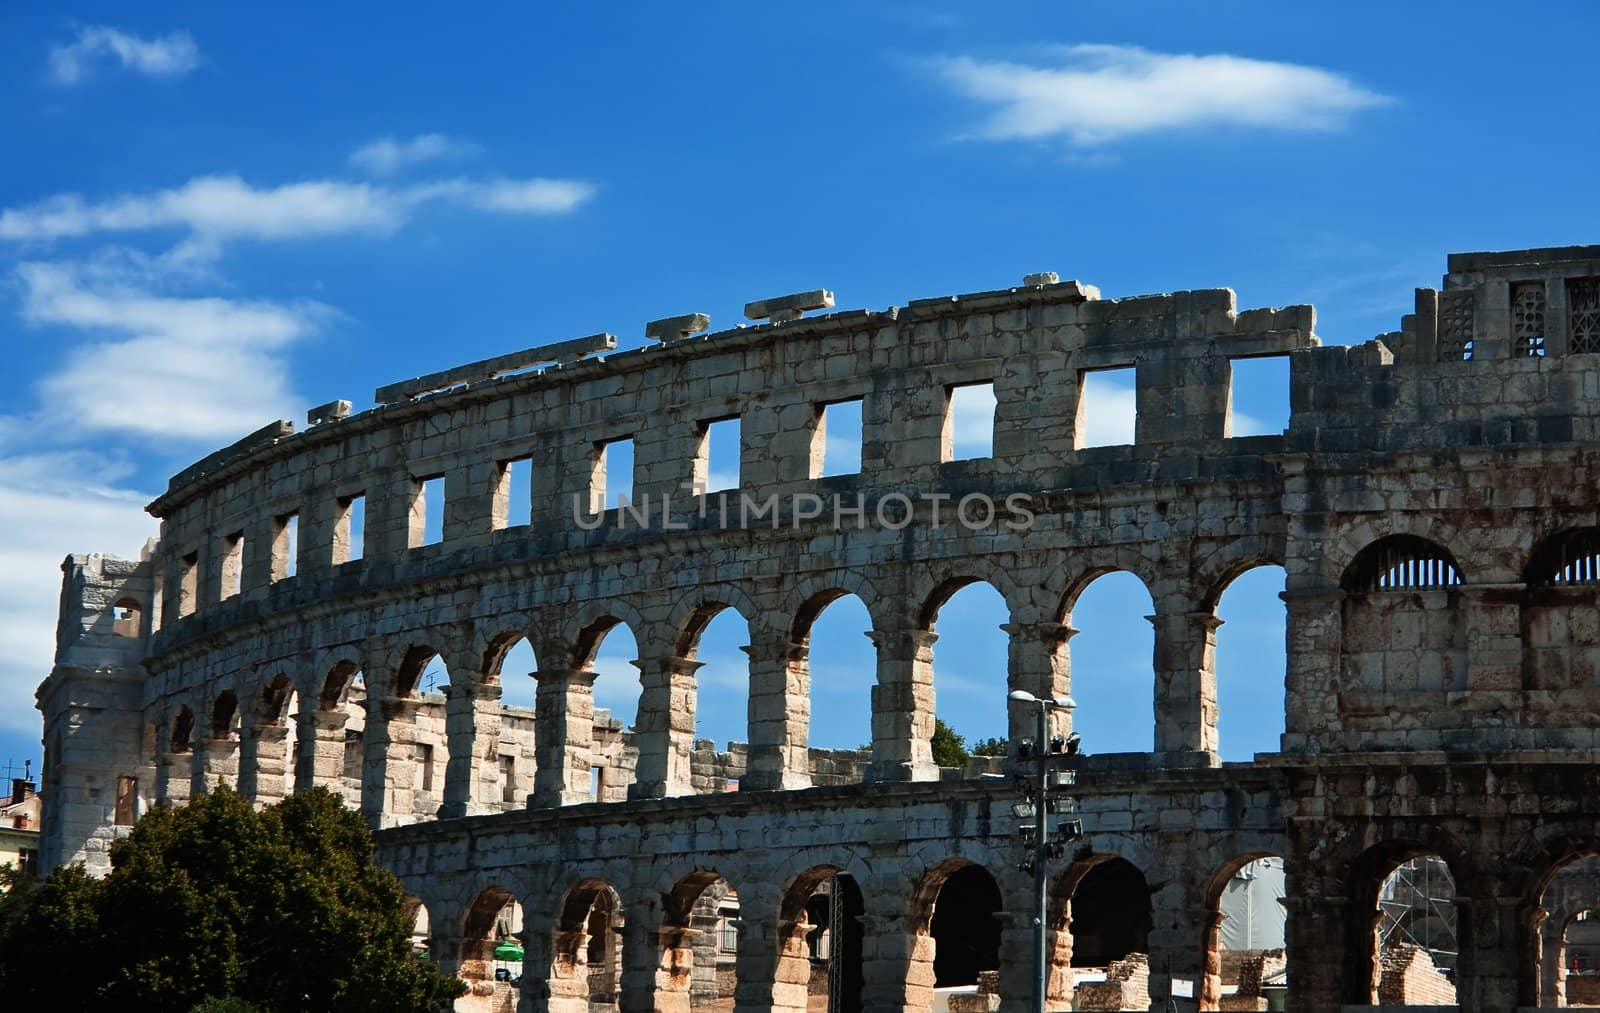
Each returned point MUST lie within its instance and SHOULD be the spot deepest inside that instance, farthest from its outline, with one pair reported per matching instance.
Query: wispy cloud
(387, 155)
(186, 367)
(228, 207)
(1094, 94)
(170, 55)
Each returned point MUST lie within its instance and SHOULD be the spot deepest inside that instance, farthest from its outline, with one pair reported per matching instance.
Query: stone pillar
(263, 763)
(320, 742)
(1037, 663)
(773, 967)
(902, 707)
(1551, 936)
(174, 776)
(216, 761)
(1177, 938)
(1186, 684)
(563, 736)
(896, 965)
(656, 962)
(1492, 615)
(1311, 703)
(1016, 946)
(1489, 968)
(472, 734)
(664, 732)
(389, 762)
(1315, 937)
(780, 715)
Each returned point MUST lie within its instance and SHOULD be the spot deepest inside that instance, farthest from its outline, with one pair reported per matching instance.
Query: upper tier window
(1402, 563)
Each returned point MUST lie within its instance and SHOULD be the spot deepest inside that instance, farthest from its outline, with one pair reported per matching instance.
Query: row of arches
(427, 735)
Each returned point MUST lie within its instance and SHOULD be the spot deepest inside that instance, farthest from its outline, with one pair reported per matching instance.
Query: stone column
(902, 707)
(1492, 615)
(1490, 967)
(656, 961)
(896, 965)
(320, 742)
(1186, 683)
(1016, 945)
(1551, 936)
(563, 736)
(1316, 934)
(216, 761)
(174, 776)
(1037, 663)
(472, 734)
(772, 966)
(1177, 937)
(780, 715)
(263, 763)
(389, 762)
(1311, 704)
(664, 733)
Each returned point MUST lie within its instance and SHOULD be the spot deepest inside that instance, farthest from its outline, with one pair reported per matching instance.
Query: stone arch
(313, 677)
(968, 925)
(180, 731)
(588, 626)
(936, 585)
(224, 714)
(806, 933)
(491, 640)
(1368, 875)
(1405, 560)
(1564, 557)
(481, 925)
(585, 947)
(1090, 564)
(809, 597)
(1236, 709)
(985, 708)
(694, 611)
(1341, 549)
(1100, 911)
(1103, 714)
(1210, 986)
(272, 703)
(1217, 571)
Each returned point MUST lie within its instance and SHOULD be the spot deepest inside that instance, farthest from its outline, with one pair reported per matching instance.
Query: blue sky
(211, 217)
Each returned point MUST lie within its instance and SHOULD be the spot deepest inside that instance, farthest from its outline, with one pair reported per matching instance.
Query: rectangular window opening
(597, 782)
(188, 586)
(427, 512)
(424, 766)
(836, 447)
(508, 779)
(968, 422)
(513, 501)
(157, 599)
(286, 547)
(1108, 407)
(1258, 396)
(613, 474)
(232, 565)
(716, 468)
(350, 532)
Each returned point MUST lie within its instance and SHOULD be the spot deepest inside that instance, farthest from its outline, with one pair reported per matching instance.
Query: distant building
(19, 826)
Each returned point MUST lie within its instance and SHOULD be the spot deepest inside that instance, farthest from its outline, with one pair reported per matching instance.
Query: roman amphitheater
(1431, 502)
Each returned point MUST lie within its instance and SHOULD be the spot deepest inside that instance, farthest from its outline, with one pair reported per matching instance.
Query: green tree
(991, 747)
(949, 749)
(281, 909)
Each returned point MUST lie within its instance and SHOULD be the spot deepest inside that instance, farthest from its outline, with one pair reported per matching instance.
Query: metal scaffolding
(1417, 906)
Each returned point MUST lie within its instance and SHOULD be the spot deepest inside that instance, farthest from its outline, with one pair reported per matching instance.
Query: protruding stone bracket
(1040, 280)
(560, 353)
(333, 411)
(788, 307)
(676, 328)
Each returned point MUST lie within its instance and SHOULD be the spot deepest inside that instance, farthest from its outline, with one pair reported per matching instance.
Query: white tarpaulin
(1253, 914)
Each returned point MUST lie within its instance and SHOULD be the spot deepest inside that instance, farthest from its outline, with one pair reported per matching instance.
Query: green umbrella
(508, 951)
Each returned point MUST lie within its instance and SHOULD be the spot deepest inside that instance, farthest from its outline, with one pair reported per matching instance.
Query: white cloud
(50, 504)
(1099, 93)
(168, 56)
(972, 421)
(201, 368)
(222, 207)
(387, 155)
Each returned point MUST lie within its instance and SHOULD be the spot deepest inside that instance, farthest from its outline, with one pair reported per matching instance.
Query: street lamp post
(1044, 746)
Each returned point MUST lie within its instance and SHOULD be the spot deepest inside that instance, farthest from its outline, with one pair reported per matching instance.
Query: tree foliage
(949, 749)
(991, 747)
(281, 909)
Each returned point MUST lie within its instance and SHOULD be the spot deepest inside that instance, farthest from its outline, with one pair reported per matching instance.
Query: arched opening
(421, 929)
(127, 618)
(957, 951)
(225, 716)
(181, 739)
(841, 668)
(609, 650)
(699, 943)
(1408, 955)
(1245, 958)
(1561, 624)
(220, 759)
(510, 740)
(1251, 663)
(1100, 919)
(1401, 563)
(1403, 636)
(1112, 655)
(1569, 936)
(586, 950)
(329, 740)
(820, 944)
(717, 637)
(970, 663)
(276, 734)
(491, 952)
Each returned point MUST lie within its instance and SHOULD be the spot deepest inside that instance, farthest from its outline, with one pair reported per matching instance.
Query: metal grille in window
(1569, 558)
(1527, 318)
(1583, 315)
(1402, 563)
(1455, 326)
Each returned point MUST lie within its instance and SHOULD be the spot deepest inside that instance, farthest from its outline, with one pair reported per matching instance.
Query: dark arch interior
(966, 933)
(1110, 914)
(834, 941)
